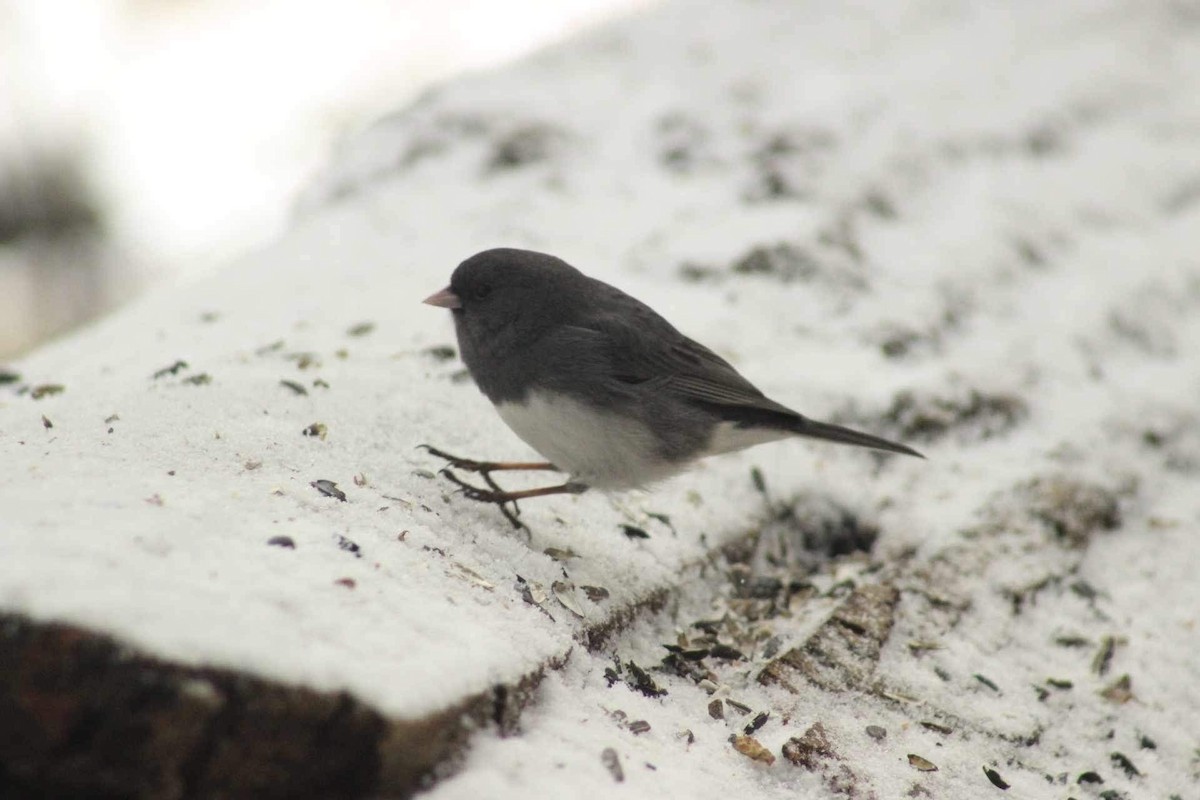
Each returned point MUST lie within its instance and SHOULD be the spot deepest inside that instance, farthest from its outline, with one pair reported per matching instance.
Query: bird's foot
(494, 494)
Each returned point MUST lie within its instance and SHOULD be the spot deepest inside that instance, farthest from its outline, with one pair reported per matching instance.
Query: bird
(601, 385)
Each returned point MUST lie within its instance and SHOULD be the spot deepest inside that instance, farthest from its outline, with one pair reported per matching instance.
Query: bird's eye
(481, 292)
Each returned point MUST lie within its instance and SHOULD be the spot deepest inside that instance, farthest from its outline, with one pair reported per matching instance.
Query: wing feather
(643, 348)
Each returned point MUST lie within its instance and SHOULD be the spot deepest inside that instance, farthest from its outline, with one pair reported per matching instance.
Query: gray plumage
(536, 333)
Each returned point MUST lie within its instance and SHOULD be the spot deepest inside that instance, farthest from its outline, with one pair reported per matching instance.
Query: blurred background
(146, 141)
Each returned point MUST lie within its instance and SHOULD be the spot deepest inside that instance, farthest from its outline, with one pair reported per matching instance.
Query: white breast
(593, 446)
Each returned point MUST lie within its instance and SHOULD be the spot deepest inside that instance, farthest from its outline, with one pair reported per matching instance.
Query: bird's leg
(470, 491)
(484, 467)
(499, 497)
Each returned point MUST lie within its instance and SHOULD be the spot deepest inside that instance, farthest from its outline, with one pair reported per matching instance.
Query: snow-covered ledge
(970, 227)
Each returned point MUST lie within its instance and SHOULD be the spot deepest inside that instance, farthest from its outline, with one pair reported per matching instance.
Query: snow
(991, 208)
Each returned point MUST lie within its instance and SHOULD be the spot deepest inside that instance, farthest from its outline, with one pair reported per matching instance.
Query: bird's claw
(494, 495)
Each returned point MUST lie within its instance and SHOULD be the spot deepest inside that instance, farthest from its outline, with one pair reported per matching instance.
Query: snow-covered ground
(969, 226)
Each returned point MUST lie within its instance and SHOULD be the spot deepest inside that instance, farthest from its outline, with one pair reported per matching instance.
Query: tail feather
(836, 433)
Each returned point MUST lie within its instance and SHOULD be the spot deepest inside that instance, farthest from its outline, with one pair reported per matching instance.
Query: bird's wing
(639, 348)
(643, 348)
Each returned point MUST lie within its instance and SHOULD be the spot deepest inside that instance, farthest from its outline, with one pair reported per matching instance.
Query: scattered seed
(1072, 641)
(741, 708)
(752, 748)
(46, 423)
(612, 762)
(660, 517)
(561, 554)
(771, 648)
(987, 682)
(349, 583)
(534, 594)
(317, 429)
(643, 682)
(726, 652)
(760, 587)
(269, 348)
(1058, 683)
(634, 532)
(1103, 658)
(923, 764)
(360, 479)
(876, 732)
(1089, 777)
(1122, 762)
(329, 489)
(303, 360)
(251, 464)
(595, 593)
(757, 479)
(937, 728)
(295, 387)
(564, 593)
(282, 541)
(202, 379)
(1119, 691)
(46, 390)
(759, 720)
(995, 778)
(440, 352)
(638, 727)
(320, 383)
(1084, 589)
(1147, 743)
(7, 377)
(346, 544)
(171, 370)
(470, 575)
(361, 329)
(716, 709)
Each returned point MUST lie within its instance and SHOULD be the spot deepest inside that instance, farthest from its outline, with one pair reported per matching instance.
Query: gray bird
(600, 384)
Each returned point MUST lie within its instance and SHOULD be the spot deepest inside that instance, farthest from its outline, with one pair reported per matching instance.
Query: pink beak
(444, 299)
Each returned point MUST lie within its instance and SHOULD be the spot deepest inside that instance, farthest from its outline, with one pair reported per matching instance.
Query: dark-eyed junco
(598, 383)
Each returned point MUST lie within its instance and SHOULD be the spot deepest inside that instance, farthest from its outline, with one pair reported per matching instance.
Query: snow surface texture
(969, 226)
